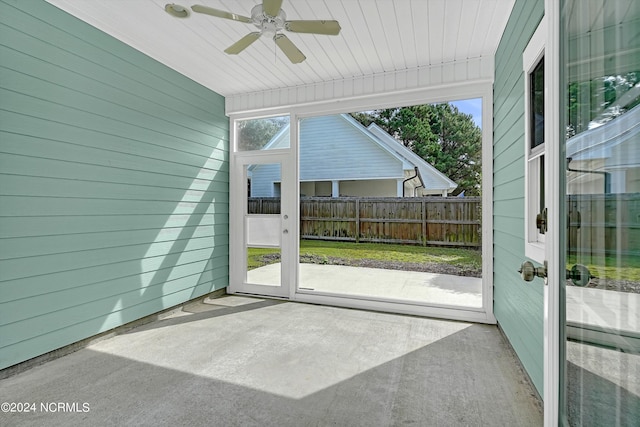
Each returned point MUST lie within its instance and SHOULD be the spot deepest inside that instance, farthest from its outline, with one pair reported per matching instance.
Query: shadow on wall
(185, 257)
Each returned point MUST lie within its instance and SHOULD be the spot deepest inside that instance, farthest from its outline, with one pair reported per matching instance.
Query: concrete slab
(604, 317)
(441, 289)
(241, 361)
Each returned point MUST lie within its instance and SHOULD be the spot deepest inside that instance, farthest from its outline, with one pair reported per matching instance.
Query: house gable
(431, 177)
(334, 147)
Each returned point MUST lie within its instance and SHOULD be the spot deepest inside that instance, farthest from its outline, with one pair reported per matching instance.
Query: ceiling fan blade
(220, 13)
(289, 49)
(331, 28)
(243, 43)
(271, 7)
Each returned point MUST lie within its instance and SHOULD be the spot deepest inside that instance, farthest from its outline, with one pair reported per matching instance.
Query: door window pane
(601, 74)
(263, 134)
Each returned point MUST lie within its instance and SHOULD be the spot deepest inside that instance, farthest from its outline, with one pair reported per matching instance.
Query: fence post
(424, 223)
(357, 220)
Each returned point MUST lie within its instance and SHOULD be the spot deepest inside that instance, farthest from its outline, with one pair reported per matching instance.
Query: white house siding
(113, 183)
(263, 180)
(341, 151)
(380, 188)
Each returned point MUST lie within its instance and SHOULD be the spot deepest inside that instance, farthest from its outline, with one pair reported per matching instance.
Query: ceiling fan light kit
(271, 20)
(176, 10)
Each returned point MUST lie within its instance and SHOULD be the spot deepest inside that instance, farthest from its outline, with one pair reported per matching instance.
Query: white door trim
(237, 224)
(482, 88)
(552, 321)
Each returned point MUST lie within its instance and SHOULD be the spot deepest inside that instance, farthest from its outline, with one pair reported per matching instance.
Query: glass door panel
(259, 264)
(601, 79)
(263, 225)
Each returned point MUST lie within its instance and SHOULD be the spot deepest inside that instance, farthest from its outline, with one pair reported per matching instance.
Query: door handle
(580, 275)
(528, 271)
(285, 231)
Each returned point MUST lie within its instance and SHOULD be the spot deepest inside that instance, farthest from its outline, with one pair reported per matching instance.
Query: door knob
(285, 231)
(579, 275)
(528, 271)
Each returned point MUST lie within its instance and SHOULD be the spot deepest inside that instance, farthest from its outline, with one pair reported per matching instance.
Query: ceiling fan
(271, 20)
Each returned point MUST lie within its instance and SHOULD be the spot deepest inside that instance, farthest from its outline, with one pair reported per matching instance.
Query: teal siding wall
(518, 305)
(113, 183)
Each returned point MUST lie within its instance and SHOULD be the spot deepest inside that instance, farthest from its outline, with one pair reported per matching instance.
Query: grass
(376, 251)
(609, 267)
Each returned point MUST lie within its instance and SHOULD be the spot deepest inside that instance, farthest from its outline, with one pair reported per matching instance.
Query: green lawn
(620, 268)
(375, 251)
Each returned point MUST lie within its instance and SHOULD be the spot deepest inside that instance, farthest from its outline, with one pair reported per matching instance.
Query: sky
(471, 106)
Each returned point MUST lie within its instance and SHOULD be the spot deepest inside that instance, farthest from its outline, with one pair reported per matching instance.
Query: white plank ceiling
(377, 37)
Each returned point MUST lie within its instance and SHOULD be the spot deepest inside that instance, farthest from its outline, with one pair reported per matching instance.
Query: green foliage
(255, 134)
(599, 100)
(440, 134)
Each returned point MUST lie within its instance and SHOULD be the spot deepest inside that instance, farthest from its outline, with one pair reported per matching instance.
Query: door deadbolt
(541, 221)
(528, 271)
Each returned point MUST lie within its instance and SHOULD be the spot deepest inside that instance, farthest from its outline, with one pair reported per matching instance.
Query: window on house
(535, 198)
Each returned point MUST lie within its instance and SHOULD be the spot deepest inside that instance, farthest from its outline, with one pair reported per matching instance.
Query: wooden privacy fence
(443, 221)
(604, 223)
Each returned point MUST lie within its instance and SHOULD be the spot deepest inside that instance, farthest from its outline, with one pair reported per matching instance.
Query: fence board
(425, 221)
(607, 224)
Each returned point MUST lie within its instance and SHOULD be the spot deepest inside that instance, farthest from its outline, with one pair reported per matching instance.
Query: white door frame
(555, 271)
(480, 88)
(237, 221)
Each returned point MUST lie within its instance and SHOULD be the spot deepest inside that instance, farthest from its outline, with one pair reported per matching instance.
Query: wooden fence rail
(426, 221)
(606, 224)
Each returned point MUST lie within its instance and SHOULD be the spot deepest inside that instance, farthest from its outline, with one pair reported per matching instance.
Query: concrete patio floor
(240, 361)
(414, 286)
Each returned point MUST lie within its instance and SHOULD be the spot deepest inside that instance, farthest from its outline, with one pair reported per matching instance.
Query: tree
(440, 134)
(255, 134)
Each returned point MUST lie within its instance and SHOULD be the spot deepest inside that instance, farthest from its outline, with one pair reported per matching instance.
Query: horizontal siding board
(79, 242)
(147, 257)
(16, 185)
(517, 306)
(26, 205)
(32, 286)
(44, 82)
(22, 309)
(12, 227)
(55, 338)
(103, 132)
(114, 183)
(90, 171)
(59, 37)
(104, 307)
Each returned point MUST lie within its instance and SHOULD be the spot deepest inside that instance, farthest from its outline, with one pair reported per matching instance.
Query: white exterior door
(265, 228)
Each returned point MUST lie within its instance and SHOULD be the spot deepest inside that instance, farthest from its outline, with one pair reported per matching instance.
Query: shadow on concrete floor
(285, 364)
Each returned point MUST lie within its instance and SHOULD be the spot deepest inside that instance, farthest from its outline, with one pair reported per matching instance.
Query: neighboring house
(340, 157)
(605, 157)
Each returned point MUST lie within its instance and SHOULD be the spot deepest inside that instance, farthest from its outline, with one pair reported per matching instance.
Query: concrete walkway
(440, 289)
(239, 361)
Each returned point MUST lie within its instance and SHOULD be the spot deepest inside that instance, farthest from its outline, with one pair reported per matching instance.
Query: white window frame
(534, 246)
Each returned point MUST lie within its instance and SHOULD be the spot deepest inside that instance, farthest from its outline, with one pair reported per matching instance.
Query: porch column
(335, 188)
(400, 187)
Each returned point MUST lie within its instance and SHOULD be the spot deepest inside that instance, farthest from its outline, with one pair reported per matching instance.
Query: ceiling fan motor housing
(269, 25)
